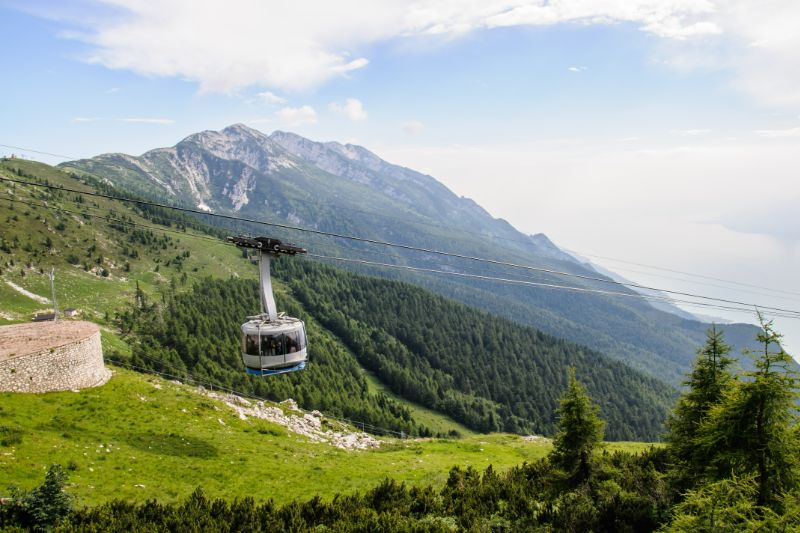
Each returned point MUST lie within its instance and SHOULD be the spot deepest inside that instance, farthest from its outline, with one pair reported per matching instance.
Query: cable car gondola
(272, 343)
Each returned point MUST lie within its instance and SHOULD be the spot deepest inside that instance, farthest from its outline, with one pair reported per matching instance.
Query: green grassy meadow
(140, 437)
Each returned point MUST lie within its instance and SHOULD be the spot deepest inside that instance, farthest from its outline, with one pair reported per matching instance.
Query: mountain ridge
(347, 189)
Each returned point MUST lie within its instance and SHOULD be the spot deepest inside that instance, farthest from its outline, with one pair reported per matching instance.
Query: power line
(398, 245)
(60, 156)
(706, 284)
(712, 278)
(544, 285)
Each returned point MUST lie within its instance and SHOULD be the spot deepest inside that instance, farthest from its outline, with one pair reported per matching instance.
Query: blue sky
(659, 131)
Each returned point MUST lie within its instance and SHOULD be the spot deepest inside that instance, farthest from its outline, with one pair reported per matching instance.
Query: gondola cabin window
(272, 345)
(251, 344)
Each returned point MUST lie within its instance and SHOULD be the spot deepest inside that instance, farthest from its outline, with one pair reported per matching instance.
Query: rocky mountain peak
(240, 130)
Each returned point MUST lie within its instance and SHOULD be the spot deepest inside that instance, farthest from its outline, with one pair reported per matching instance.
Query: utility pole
(53, 292)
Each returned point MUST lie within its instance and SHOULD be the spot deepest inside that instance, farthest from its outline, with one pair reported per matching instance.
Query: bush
(41, 508)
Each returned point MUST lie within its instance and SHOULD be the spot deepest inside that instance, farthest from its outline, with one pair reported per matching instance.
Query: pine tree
(752, 430)
(580, 430)
(706, 384)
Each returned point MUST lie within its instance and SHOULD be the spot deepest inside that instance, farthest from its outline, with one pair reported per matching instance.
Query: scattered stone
(290, 404)
(534, 438)
(308, 425)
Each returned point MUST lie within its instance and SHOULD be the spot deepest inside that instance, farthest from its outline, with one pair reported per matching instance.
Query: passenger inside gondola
(291, 343)
(271, 345)
(251, 344)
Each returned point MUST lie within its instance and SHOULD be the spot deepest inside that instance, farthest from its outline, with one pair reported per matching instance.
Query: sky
(662, 133)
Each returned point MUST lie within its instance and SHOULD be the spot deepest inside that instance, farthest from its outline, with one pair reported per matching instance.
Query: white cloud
(271, 98)
(412, 127)
(148, 120)
(293, 46)
(279, 45)
(779, 134)
(86, 119)
(296, 116)
(576, 69)
(352, 108)
(767, 58)
(113, 90)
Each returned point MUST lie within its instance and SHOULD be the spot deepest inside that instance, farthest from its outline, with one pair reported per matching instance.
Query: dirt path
(29, 294)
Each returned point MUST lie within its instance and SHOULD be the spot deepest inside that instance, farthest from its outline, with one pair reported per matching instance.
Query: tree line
(489, 373)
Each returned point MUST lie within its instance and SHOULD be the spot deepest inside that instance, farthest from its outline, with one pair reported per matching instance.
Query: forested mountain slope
(451, 357)
(182, 294)
(488, 373)
(347, 189)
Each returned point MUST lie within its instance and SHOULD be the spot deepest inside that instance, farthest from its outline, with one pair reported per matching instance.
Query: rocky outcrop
(313, 426)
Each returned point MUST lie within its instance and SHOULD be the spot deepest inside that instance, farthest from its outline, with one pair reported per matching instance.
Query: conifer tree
(580, 430)
(706, 384)
(752, 430)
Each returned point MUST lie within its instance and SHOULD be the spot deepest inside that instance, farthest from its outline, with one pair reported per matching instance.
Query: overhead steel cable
(60, 156)
(545, 285)
(114, 220)
(398, 245)
(118, 165)
(430, 270)
(722, 280)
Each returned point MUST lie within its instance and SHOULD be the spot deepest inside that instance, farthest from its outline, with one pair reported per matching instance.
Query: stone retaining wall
(76, 365)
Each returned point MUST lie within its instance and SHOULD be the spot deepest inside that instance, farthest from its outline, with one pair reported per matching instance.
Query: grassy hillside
(141, 437)
(98, 255)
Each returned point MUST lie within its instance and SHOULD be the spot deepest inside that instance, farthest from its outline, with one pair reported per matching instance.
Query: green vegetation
(41, 508)
(100, 257)
(402, 485)
(438, 423)
(371, 198)
(580, 431)
(709, 378)
(141, 437)
(485, 372)
(752, 430)
(436, 381)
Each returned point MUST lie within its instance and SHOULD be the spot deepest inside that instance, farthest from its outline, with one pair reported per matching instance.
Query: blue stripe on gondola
(275, 371)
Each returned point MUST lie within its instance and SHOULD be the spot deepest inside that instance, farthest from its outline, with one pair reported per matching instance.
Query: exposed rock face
(240, 169)
(313, 425)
